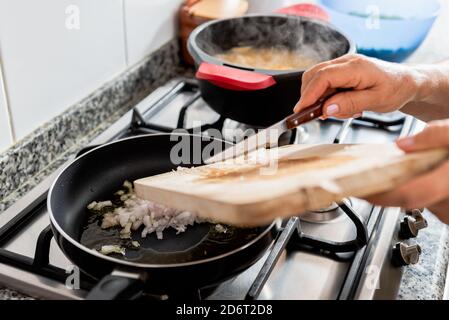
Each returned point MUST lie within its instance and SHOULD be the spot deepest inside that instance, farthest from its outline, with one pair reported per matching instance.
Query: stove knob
(411, 224)
(404, 254)
(416, 213)
(410, 227)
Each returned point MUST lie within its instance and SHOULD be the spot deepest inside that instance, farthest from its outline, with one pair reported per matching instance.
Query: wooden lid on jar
(219, 9)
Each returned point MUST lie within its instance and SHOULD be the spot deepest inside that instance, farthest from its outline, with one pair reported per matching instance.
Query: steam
(313, 40)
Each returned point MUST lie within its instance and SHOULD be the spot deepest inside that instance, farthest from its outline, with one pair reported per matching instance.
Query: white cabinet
(5, 139)
(149, 24)
(56, 52)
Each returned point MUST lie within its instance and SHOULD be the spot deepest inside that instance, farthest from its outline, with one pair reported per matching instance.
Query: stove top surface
(308, 269)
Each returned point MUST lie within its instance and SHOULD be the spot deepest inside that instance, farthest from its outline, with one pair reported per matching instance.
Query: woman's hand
(377, 86)
(430, 190)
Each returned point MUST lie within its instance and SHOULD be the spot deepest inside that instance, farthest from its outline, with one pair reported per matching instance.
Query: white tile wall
(149, 24)
(436, 45)
(49, 67)
(5, 140)
(268, 6)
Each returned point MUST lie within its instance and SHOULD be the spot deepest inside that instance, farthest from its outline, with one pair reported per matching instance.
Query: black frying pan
(197, 258)
(259, 97)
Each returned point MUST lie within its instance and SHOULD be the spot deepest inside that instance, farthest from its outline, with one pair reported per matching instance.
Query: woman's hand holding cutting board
(430, 190)
(305, 177)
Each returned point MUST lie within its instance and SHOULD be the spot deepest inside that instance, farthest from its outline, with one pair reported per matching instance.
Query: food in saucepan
(130, 213)
(267, 58)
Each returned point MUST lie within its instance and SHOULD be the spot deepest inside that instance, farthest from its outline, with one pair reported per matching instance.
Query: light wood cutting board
(285, 181)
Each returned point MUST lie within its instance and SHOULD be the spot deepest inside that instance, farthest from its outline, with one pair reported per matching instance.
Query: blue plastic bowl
(386, 29)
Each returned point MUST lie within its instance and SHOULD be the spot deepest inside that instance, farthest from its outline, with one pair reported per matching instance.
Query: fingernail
(357, 115)
(333, 109)
(406, 142)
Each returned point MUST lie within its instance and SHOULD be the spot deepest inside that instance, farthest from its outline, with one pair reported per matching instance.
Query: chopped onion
(220, 228)
(136, 212)
(108, 249)
(135, 244)
(97, 206)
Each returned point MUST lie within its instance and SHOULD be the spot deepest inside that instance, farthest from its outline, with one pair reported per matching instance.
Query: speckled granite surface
(29, 161)
(426, 280)
(7, 294)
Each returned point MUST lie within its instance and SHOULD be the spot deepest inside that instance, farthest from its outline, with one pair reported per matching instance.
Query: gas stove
(351, 250)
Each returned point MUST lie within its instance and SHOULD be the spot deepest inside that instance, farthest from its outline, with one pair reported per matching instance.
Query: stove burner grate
(290, 237)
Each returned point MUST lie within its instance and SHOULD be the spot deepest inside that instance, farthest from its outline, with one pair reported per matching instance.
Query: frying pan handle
(117, 287)
(233, 78)
(309, 10)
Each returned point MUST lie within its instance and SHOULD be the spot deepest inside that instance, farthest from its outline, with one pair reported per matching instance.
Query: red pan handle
(234, 79)
(309, 10)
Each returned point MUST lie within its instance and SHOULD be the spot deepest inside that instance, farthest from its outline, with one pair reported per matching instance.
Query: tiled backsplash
(41, 153)
(55, 53)
(148, 25)
(269, 6)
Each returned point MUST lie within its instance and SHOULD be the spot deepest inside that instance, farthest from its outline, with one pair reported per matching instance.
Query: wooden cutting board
(285, 181)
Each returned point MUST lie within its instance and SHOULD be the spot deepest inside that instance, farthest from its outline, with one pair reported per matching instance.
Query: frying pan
(196, 258)
(254, 96)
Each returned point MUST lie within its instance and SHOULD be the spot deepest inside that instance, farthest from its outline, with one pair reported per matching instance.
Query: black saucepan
(193, 259)
(252, 96)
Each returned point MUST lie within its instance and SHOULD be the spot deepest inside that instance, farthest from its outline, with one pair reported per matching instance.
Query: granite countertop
(426, 280)
(24, 165)
(24, 168)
